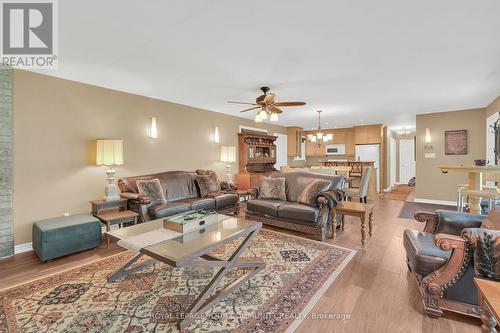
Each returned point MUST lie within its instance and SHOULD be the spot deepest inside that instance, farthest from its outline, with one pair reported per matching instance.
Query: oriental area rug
(298, 271)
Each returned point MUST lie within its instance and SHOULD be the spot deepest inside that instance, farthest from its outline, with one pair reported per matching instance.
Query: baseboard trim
(437, 202)
(388, 189)
(23, 248)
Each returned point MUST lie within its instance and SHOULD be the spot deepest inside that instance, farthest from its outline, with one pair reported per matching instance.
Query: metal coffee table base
(205, 300)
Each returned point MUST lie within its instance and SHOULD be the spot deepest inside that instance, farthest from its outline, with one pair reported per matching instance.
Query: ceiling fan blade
(289, 104)
(274, 109)
(242, 103)
(257, 107)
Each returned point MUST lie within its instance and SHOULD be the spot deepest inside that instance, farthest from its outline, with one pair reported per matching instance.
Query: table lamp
(228, 156)
(110, 153)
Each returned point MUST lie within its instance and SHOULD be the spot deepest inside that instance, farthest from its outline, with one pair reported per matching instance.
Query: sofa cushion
(298, 212)
(152, 189)
(423, 255)
(268, 207)
(296, 182)
(272, 188)
(200, 203)
(225, 200)
(163, 210)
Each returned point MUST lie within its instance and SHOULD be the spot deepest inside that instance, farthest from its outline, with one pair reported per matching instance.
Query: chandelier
(319, 138)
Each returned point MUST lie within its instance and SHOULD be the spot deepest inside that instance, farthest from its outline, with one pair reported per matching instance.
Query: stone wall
(6, 236)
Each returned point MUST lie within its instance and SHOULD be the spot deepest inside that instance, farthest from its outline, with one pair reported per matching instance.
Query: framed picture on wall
(455, 142)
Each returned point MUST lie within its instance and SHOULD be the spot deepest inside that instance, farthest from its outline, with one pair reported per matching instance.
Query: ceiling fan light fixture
(274, 117)
(258, 119)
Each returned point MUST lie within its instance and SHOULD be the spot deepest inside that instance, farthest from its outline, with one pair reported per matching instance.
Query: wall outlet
(430, 155)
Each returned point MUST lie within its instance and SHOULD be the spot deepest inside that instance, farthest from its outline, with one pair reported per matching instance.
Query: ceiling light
(320, 137)
(263, 114)
(258, 119)
(274, 117)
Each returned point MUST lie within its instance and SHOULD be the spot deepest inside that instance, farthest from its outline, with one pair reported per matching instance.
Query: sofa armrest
(430, 220)
(138, 203)
(139, 198)
(435, 283)
(329, 198)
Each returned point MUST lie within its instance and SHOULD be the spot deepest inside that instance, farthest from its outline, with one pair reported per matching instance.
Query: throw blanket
(332, 197)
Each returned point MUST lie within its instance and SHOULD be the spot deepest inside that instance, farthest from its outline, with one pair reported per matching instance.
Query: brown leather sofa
(182, 195)
(292, 215)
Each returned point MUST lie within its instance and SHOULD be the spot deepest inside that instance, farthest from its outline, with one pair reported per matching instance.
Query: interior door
(281, 151)
(406, 160)
(393, 168)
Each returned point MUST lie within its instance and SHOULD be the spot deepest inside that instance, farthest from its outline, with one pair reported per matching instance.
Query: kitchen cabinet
(369, 134)
(294, 141)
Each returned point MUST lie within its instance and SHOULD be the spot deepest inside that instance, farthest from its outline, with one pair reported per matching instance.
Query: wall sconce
(428, 138)
(216, 135)
(153, 131)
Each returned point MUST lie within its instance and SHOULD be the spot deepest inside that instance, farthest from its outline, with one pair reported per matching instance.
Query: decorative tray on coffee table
(192, 220)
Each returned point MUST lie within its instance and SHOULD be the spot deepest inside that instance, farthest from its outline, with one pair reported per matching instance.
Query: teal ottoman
(60, 236)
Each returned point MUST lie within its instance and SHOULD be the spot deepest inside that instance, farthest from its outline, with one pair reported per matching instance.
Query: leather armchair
(440, 258)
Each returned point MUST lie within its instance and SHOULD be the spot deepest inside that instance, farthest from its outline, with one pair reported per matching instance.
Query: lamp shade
(228, 154)
(109, 152)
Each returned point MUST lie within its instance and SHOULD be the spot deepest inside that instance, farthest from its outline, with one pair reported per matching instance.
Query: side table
(489, 300)
(113, 212)
(361, 210)
(244, 195)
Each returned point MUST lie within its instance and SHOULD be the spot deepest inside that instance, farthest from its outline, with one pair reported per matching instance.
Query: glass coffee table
(191, 249)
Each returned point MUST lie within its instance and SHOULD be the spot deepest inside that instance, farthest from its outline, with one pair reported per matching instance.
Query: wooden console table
(489, 300)
(361, 210)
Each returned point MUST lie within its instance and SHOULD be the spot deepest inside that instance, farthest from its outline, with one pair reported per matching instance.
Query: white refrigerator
(370, 153)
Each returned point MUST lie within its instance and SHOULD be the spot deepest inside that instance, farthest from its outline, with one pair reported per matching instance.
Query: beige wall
(55, 119)
(431, 183)
(493, 107)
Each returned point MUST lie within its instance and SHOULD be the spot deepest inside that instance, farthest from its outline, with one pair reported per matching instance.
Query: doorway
(406, 160)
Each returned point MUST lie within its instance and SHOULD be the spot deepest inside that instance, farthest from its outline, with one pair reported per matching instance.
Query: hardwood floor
(375, 289)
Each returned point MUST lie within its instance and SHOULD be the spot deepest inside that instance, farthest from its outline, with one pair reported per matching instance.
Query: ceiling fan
(267, 106)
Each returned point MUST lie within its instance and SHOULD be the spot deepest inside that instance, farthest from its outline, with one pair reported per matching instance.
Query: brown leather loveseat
(290, 214)
(182, 194)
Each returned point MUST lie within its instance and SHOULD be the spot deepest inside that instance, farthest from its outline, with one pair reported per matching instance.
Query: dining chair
(362, 191)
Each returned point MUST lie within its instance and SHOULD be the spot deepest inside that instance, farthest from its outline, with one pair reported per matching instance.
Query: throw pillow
(308, 195)
(153, 189)
(272, 188)
(207, 185)
(212, 174)
(486, 246)
(492, 221)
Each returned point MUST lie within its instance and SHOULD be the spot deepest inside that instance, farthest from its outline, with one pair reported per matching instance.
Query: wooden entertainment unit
(257, 155)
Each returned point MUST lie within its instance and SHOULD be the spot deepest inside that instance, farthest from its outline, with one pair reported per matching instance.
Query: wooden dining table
(475, 180)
